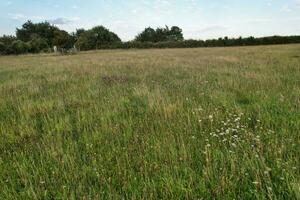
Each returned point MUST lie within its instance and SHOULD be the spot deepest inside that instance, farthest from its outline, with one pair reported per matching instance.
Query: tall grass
(219, 123)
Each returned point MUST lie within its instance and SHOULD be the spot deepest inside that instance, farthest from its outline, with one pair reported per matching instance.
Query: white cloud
(18, 16)
(285, 9)
(57, 21)
(63, 21)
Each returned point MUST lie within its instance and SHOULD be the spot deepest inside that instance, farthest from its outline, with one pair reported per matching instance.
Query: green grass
(210, 123)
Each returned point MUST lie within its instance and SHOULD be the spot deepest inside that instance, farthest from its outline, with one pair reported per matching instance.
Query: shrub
(19, 47)
(37, 45)
(2, 48)
(98, 37)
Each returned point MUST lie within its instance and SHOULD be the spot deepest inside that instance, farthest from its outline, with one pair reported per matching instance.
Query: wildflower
(237, 119)
(266, 172)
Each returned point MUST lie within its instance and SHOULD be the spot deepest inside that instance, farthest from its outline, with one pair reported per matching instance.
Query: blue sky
(200, 19)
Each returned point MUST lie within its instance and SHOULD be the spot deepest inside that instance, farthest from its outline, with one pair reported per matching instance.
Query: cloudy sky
(200, 19)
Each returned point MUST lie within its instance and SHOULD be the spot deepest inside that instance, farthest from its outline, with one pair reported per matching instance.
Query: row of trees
(42, 37)
(221, 42)
(160, 35)
(35, 38)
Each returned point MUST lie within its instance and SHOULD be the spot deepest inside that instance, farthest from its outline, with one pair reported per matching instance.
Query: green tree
(19, 47)
(2, 48)
(38, 44)
(104, 37)
(62, 39)
(96, 38)
(44, 30)
(160, 34)
(7, 39)
(79, 32)
(175, 34)
(86, 41)
(148, 35)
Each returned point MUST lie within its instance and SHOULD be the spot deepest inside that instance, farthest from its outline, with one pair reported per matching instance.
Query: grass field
(210, 123)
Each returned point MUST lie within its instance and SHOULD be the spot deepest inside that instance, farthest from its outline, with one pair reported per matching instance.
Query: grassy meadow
(207, 123)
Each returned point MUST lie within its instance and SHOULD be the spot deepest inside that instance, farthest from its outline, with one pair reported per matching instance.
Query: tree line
(42, 37)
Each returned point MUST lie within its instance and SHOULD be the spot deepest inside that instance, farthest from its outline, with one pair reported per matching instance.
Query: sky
(199, 19)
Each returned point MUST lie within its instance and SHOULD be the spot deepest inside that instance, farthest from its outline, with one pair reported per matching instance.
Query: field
(207, 123)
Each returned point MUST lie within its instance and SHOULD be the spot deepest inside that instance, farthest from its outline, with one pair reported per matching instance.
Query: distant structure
(55, 49)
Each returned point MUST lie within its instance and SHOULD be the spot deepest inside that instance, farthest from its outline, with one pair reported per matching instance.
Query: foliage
(41, 37)
(160, 34)
(19, 47)
(75, 35)
(38, 44)
(29, 30)
(62, 39)
(96, 38)
(221, 42)
(7, 39)
(2, 48)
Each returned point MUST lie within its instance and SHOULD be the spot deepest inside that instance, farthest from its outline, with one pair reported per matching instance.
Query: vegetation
(19, 47)
(160, 35)
(43, 30)
(214, 123)
(42, 37)
(96, 38)
(38, 44)
(2, 48)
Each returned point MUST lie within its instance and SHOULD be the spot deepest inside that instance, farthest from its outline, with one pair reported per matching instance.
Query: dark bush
(2, 48)
(37, 45)
(19, 47)
(98, 37)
